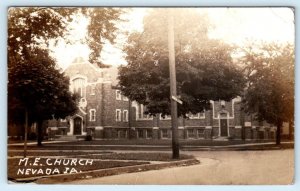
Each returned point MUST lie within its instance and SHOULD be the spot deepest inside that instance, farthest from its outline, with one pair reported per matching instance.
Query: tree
(101, 29)
(204, 67)
(35, 26)
(36, 89)
(270, 83)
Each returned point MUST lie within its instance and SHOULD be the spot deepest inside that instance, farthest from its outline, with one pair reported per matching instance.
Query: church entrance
(224, 127)
(77, 125)
(223, 124)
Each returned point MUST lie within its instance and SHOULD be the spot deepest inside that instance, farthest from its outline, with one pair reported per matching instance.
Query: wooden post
(175, 142)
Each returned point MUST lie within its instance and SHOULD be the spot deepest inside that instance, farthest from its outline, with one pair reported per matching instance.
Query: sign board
(177, 100)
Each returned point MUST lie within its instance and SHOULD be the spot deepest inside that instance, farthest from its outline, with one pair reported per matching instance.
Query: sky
(232, 25)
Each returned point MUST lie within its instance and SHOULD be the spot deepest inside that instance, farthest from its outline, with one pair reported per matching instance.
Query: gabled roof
(109, 74)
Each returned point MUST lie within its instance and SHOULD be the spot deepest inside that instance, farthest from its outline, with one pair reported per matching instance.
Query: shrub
(89, 138)
(32, 136)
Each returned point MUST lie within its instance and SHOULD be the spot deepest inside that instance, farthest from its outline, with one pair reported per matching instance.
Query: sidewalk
(34, 143)
(96, 147)
(240, 145)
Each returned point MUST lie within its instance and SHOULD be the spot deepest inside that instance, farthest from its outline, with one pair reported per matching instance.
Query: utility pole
(175, 142)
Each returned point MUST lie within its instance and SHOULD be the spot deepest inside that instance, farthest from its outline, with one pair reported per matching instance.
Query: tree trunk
(242, 121)
(278, 132)
(39, 133)
(129, 120)
(129, 114)
(25, 133)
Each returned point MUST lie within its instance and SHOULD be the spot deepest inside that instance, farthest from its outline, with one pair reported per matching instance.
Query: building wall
(101, 96)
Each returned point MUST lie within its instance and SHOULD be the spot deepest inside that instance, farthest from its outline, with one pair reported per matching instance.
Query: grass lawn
(140, 144)
(162, 142)
(267, 147)
(53, 153)
(139, 156)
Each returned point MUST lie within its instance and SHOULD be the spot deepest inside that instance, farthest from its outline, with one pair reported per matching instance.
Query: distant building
(104, 113)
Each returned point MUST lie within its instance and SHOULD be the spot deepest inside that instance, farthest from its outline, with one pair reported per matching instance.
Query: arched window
(78, 85)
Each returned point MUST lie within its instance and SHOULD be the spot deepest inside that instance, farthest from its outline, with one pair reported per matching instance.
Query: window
(166, 117)
(200, 133)
(125, 98)
(140, 133)
(118, 115)
(122, 134)
(164, 133)
(141, 113)
(190, 133)
(93, 89)
(149, 133)
(125, 115)
(118, 95)
(92, 115)
(79, 86)
(200, 115)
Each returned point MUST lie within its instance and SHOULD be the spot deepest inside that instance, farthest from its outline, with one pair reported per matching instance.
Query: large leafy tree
(204, 67)
(270, 83)
(36, 88)
(35, 26)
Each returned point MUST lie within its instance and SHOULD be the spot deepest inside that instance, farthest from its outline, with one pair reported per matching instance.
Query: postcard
(151, 95)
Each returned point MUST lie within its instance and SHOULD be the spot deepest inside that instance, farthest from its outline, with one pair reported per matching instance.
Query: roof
(109, 74)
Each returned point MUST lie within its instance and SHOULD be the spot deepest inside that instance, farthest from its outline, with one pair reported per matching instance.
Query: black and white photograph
(150, 95)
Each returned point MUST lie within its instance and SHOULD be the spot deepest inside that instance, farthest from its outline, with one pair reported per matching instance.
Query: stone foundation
(206, 133)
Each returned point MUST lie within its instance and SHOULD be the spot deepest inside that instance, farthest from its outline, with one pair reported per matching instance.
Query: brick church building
(104, 113)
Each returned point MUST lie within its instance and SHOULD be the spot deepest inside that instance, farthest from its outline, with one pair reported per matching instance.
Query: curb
(59, 178)
(161, 147)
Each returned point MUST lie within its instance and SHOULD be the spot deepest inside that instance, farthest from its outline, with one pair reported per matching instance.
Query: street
(216, 168)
